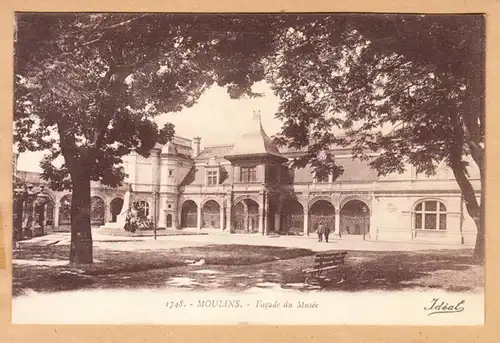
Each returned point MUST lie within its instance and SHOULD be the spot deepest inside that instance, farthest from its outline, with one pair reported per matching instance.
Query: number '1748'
(175, 304)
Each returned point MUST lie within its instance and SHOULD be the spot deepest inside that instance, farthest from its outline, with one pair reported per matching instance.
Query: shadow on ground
(241, 267)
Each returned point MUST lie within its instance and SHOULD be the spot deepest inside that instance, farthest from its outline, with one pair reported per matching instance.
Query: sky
(216, 118)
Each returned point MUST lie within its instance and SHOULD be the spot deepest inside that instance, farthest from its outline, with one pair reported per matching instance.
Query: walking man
(321, 230)
(326, 232)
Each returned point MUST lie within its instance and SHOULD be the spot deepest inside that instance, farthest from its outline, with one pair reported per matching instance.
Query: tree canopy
(87, 87)
(420, 76)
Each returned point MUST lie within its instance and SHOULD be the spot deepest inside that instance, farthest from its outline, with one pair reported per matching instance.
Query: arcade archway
(189, 214)
(97, 211)
(355, 218)
(246, 216)
(115, 208)
(292, 217)
(65, 210)
(322, 211)
(210, 214)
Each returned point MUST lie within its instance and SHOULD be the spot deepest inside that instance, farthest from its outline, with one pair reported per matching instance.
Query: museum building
(248, 188)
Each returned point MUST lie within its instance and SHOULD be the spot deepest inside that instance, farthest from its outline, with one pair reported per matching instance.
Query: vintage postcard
(293, 169)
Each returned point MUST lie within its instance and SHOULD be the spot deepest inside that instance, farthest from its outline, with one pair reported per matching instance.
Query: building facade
(246, 188)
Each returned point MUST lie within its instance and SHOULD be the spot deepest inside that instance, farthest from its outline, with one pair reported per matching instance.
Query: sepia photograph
(278, 168)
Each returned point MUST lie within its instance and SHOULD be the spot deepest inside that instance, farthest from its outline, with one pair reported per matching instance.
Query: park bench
(325, 264)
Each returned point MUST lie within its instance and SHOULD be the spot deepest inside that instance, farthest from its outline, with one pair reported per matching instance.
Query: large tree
(83, 81)
(423, 76)
(87, 87)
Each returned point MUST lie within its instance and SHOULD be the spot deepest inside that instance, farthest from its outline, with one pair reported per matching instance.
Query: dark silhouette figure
(326, 232)
(321, 230)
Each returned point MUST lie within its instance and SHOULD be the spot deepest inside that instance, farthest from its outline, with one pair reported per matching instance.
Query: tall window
(430, 215)
(248, 174)
(212, 178)
(65, 210)
(322, 178)
(142, 208)
(97, 210)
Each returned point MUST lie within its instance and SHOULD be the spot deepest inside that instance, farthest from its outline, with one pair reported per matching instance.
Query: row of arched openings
(97, 210)
(354, 215)
(245, 216)
(210, 214)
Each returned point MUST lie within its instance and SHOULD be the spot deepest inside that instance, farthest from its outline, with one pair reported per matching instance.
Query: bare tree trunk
(480, 247)
(474, 209)
(81, 234)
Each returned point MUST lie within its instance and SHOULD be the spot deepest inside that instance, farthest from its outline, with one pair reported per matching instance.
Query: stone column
(337, 221)
(221, 215)
(261, 214)
(277, 222)
(57, 205)
(266, 217)
(198, 217)
(306, 223)
(228, 215)
(106, 210)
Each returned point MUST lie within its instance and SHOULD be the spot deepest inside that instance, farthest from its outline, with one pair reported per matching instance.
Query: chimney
(196, 146)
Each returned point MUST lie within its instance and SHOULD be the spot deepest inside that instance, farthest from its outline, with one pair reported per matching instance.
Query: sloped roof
(254, 141)
(169, 149)
(217, 151)
(354, 171)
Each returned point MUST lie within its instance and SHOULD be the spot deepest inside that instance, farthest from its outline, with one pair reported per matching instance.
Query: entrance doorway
(115, 207)
(292, 217)
(355, 218)
(211, 215)
(322, 211)
(189, 214)
(246, 216)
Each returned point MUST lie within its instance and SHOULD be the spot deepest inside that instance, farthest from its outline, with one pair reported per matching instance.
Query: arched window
(142, 208)
(49, 213)
(430, 215)
(97, 210)
(65, 210)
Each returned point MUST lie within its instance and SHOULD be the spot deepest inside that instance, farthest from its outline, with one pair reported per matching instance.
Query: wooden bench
(325, 263)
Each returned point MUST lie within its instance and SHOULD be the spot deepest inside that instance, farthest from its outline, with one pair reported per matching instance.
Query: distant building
(246, 187)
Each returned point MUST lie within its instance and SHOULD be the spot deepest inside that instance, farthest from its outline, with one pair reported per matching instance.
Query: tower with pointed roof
(255, 157)
(257, 168)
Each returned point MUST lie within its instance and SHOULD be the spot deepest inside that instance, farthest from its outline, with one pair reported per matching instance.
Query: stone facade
(246, 188)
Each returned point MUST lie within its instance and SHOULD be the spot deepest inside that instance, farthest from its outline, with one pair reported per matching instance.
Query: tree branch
(107, 28)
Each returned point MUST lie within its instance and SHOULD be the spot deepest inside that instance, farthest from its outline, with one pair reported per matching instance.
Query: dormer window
(322, 178)
(212, 178)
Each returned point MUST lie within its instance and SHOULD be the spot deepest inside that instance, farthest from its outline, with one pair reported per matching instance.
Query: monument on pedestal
(121, 218)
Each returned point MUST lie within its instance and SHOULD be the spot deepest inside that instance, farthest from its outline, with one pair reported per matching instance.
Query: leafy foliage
(88, 85)
(359, 74)
(408, 87)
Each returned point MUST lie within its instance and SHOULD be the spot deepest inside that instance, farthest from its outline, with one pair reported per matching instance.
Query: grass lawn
(239, 267)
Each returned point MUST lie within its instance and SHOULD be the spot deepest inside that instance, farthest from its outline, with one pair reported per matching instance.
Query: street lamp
(155, 204)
